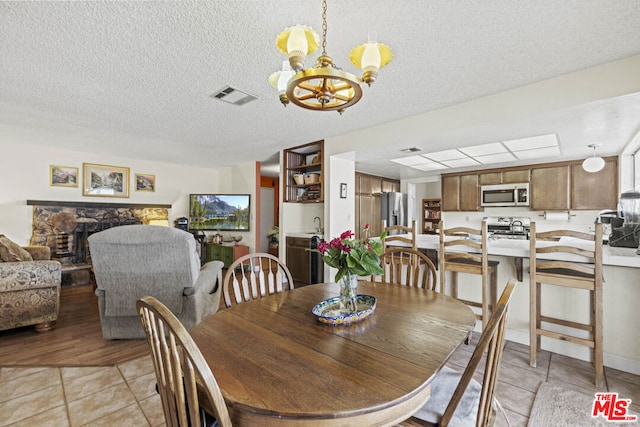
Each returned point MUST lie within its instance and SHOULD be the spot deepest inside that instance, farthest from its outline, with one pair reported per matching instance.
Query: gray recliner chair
(133, 261)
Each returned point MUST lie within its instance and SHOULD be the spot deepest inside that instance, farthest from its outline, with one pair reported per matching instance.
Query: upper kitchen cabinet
(550, 188)
(504, 177)
(460, 192)
(597, 190)
(304, 173)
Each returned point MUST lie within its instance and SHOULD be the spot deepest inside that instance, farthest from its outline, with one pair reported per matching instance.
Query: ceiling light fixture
(324, 87)
(593, 164)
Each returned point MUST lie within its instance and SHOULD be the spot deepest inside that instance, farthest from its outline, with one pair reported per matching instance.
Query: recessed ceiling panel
(484, 149)
(538, 153)
(430, 166)
(411, 160)
(459, 163)
(541, 141)
(445, 155)
(496, 158)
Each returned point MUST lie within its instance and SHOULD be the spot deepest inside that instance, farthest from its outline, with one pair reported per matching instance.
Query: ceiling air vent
(233, 96)
(411, 150)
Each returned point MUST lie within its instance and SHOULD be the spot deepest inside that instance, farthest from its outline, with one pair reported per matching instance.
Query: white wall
(241, 179)
(24, 174)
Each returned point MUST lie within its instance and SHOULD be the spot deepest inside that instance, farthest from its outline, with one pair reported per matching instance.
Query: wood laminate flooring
(76, 341)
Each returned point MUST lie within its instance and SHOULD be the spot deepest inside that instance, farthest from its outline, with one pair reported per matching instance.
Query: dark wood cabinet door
(597, 190)
(299, 259)
(550, 188)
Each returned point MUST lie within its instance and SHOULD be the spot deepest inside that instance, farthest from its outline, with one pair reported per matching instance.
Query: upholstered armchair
(29, 287)
(133, 261)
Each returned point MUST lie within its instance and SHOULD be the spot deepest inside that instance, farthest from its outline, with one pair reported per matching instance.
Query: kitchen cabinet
(460, 192)
(431, 215)
(450, 193)
(226, 253)
(469, 193)
(368, 201)
(304, 173)
(550, 188)
(597, 190)
(299, 258)
(504, 177)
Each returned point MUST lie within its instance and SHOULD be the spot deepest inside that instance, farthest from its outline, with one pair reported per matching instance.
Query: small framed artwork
(343, 190)
(105, 180)
(145, 182)
(63, 176)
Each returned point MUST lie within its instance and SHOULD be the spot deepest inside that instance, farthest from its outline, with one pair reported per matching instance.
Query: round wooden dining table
(277, 365)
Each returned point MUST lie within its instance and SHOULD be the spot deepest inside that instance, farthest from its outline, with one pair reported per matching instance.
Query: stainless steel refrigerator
(394, 208)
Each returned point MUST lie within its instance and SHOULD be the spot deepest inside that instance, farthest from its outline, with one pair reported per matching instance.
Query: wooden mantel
(95, 204)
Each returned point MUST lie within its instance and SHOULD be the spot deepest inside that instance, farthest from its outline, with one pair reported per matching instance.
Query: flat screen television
(222, 212)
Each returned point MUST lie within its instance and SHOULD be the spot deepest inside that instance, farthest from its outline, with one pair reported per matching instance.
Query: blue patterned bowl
(328, 311)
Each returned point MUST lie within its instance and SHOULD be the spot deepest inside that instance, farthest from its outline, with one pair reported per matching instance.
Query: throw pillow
(11, 251)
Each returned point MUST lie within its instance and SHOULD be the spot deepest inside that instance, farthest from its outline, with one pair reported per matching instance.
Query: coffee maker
(625, 228)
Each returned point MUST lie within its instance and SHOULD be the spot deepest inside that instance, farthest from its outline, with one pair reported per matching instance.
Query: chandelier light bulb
(280, 80)
(370, 57)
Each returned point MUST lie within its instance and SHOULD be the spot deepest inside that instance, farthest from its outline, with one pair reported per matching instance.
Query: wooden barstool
(402, 237)
(469, 256)
(574, 260)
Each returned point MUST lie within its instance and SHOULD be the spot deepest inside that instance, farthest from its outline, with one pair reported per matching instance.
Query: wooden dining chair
(393, 236)
(404, 266)
(254, 276)
(584, 273)
(179, 366)
(464, 250)
(455, 395)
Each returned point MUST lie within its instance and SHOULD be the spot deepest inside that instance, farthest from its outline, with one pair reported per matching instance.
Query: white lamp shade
(593, 164)
(371, 56)
(297, 41)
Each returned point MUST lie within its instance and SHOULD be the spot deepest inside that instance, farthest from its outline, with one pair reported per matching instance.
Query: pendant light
(593, 164)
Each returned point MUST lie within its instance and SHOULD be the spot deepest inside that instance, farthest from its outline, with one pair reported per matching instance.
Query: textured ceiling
(134, 78)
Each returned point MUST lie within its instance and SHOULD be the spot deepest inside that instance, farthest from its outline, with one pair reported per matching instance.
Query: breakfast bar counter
(621, 293)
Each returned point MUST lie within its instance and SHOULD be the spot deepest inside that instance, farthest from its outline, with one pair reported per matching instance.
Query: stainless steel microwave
(505, 195)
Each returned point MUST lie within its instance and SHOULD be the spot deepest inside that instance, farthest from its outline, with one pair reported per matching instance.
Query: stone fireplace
(65, 226)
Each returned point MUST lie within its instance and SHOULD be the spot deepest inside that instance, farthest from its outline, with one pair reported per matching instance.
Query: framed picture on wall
(105, 180)
(145, 182)
(63, 176)
(343, 190)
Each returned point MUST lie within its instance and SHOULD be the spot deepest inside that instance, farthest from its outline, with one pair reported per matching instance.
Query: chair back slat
(268, 275)
(404, 266)
(182, 374)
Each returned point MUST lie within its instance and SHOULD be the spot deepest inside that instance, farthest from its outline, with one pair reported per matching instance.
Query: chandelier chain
(324, 27)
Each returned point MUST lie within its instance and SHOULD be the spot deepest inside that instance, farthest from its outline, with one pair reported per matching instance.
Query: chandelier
(324, 87)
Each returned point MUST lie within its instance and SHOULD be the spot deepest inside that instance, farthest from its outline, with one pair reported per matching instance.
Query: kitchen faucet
(319, 227)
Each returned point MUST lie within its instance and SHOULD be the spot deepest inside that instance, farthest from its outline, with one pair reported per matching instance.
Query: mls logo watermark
(612, 408)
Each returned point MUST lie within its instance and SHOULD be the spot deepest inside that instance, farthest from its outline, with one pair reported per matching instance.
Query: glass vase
(348, 293)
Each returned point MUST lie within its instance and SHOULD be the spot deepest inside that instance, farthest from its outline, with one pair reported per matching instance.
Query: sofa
(133, 261)
(29, 286)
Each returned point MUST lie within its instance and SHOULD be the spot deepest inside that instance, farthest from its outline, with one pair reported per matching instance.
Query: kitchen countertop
(614, 256)
(304, 234)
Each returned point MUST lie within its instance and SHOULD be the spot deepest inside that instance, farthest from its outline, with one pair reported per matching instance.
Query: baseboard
(578, 352)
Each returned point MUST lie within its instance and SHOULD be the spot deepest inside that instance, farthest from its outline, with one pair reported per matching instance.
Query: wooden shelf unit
(431, 215)
(305, 160)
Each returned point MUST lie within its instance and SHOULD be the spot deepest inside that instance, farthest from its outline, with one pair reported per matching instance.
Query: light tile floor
(124, 395)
